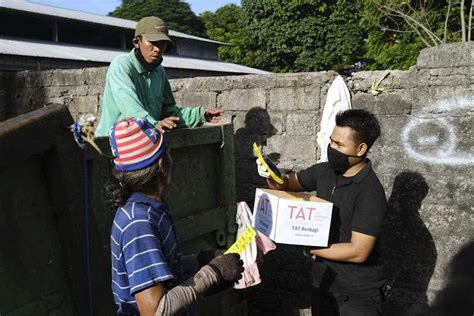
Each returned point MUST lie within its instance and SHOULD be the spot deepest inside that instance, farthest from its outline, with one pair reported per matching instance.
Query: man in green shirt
(137, 85)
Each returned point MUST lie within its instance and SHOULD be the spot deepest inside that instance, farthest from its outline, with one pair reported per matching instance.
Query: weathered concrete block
(244, 145)
(390, 126)
(440, 187)
(401, 79)
(95, 75)
(389, 151)
(454, 220)
(30, 100)
(291, 99)
(60, 91)
(397, 79)
(259, 121)
(426, 142)
(292, 80)
(96, 89)
(205, 99)
(456, 100)
(240, 100)
(34, 78)
(362, 80)
(433, 145)
(253, 81)
(462, 76)
(53, 100)
(304, 123)
(292, 147)
(449, 188)
(449, 55)
(384, 104)
(212, 83)
(295, 165)
(88, 104)
(36, 94)
(69, 77)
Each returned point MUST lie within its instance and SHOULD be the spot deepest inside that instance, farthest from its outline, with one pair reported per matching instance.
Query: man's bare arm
(356, 251)
(149, 299)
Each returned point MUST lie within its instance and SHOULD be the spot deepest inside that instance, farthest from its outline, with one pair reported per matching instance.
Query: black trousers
(337, 304)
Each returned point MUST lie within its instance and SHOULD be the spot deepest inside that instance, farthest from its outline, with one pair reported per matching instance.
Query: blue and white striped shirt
(144, 248)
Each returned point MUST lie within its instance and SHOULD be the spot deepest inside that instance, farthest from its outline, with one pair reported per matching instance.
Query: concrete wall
(80, 89)
(9, 63)
(424, 157)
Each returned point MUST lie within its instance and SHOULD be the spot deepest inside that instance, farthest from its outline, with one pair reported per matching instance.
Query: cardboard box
(292, 218)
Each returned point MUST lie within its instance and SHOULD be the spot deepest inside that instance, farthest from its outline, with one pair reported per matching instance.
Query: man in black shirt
(350, 265)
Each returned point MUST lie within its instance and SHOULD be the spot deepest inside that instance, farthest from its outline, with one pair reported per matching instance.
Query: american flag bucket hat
(135, 144)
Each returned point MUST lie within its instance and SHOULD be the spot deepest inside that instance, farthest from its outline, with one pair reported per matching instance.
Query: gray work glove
(205, 256)
(218, 275)
(228, 267)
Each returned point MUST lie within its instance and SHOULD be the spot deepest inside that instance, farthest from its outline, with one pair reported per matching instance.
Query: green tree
(176, 13)
(308, 35)
(225, 25)
(398, 30)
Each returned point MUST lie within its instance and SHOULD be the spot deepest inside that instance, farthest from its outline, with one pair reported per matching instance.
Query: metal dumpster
(55, 223)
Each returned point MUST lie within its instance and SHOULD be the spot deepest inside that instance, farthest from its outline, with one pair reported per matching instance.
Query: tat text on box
(292, 218)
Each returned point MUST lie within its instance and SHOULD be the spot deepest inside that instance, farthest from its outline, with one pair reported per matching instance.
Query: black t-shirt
(359, 205)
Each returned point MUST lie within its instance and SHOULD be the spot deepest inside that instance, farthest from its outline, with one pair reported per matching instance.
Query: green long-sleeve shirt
(132, 91)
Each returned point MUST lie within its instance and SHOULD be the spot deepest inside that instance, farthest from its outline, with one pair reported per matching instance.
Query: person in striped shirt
(146, 259)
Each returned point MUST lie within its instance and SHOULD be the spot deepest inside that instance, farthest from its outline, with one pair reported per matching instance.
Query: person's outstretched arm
(188, 116)
(154, 300)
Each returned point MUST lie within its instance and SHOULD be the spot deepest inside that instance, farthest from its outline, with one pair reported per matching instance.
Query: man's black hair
(147, 180)
(363, 123)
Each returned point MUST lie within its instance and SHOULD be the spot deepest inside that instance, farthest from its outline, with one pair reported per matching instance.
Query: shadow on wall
(407, 247)
(285, 272)
(456, 297)
(258, 128)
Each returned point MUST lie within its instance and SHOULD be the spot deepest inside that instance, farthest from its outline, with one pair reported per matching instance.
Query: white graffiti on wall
(433, 139)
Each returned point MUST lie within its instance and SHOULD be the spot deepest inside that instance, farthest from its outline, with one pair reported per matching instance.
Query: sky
(102, 7)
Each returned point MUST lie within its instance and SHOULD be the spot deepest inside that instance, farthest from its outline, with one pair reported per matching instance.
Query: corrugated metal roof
(17, 47)
(36, 8)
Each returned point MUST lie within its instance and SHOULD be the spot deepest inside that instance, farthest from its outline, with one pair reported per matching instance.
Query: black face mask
(339, 161)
